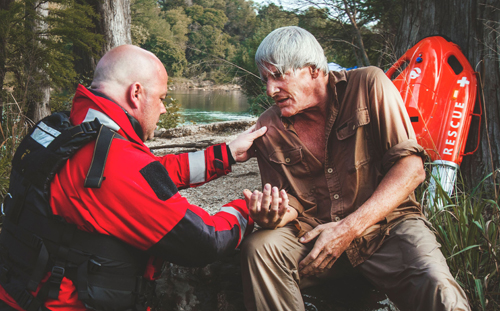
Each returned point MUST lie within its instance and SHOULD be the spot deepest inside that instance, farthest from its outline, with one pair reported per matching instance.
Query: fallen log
(217, 127)
(198, 145)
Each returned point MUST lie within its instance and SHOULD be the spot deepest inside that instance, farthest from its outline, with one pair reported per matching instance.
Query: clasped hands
(270, 210)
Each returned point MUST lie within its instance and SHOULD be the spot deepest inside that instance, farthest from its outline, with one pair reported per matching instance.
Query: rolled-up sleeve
(395, 136)
(401, 150)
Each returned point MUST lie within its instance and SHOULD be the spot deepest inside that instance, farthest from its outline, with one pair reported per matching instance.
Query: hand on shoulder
(240, 147)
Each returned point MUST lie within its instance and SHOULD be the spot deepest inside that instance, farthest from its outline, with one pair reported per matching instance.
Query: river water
(202, 107)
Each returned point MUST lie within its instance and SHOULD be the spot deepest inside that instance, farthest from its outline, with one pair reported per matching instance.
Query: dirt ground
(213, 195)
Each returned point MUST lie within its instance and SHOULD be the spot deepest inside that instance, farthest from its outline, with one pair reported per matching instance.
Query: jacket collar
(87, 106)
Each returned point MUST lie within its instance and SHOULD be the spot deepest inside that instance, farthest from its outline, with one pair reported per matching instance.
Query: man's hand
(241, 145)
(269, 207)
(333, 240)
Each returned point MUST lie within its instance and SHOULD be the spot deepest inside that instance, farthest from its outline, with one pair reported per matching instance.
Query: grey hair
(290, 48)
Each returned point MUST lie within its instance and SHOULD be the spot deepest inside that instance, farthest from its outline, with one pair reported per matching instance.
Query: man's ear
(135, 92)
(314, 71)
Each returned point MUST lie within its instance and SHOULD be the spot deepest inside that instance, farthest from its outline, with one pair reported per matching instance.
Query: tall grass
(468, 229)
(13, 128)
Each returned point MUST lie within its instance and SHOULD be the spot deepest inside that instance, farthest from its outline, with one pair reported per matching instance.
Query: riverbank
(199, 84)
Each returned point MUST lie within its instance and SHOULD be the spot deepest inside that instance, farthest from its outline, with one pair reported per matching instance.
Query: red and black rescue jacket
(137, 201)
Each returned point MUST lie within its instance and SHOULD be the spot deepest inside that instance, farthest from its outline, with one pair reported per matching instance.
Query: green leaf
(480, 293)
(465, 249)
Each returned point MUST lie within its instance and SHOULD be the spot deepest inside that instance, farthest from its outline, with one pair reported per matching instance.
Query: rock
(218, 287)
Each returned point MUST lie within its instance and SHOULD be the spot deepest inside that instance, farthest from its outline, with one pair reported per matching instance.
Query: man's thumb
(259, 132)
(309, 236)
(247, 194)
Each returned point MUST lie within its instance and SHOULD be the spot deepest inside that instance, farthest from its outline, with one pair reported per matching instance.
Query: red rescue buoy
(438, 86)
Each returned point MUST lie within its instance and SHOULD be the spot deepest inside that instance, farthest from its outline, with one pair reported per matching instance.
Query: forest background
(48, 47)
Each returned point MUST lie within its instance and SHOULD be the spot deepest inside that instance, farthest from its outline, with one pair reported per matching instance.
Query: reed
(468, 229)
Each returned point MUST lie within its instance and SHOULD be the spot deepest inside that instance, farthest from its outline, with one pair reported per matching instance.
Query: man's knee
(441, 291)
(278, 246)
(251, 245)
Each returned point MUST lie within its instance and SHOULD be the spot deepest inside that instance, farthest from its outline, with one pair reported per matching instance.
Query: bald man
(92, 214)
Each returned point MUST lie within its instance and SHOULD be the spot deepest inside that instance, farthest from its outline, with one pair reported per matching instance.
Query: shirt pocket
(354, 140)
(291, 161)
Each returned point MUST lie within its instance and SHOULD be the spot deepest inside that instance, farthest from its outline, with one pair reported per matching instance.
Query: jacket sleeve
(199, 239)
(196, 168)
(139, 203)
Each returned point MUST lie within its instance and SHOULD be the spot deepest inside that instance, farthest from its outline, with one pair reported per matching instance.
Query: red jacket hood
(85, 104)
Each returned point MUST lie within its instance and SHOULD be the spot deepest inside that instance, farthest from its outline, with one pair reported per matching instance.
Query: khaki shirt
(367, 131)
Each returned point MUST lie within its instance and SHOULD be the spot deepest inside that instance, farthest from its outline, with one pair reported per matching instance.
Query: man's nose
(271, 88)
(162, 108)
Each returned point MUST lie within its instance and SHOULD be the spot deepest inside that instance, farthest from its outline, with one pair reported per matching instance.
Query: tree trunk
(474, 27)
(115, 23)
(357, 34)
(41, 105)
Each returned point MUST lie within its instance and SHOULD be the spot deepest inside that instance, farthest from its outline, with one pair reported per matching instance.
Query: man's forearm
(289, 216)
(401, 180)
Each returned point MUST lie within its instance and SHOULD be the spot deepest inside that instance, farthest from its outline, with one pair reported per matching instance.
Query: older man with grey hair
(341, 148)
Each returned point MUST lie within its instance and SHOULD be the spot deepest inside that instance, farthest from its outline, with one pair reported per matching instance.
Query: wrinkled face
(153, 106)
(292, 92)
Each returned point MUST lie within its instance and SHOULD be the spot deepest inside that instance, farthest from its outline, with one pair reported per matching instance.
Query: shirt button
(337, 218)
(330, 170)
(354, 127)
(287, 160)
(336, 196)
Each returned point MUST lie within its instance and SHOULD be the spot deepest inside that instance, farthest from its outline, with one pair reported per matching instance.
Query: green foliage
(241, 20)
(268, 18)
(258, 104)
(173, 117)
(14, 128)
(170, 54)
(39, 47)
(179, 22)
(468, 229)
(153, 32)
(61, 101)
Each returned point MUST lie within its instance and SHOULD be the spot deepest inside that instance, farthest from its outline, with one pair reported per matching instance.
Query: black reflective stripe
(219, 164)
(230, 156)
(96, 170)
(193, 243)
(218, 152)
(218, 161)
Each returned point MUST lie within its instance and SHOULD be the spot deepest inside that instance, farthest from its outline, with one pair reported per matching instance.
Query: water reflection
(199, 106)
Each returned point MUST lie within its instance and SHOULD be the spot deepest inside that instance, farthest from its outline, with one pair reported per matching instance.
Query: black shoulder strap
(95, 174)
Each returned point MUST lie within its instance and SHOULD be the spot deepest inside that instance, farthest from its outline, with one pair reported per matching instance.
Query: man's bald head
(136, 80)
(124, 65)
